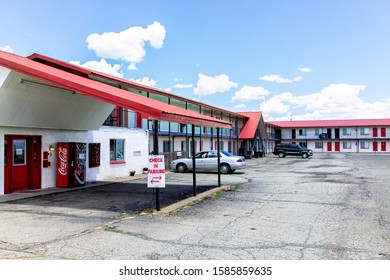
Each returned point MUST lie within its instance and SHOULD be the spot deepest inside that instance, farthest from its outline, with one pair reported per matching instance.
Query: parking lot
(330, 206)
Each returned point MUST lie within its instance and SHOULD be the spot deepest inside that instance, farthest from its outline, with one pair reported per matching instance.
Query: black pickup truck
(283, 150)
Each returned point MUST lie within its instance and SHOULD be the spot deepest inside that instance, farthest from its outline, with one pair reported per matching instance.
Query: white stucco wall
(136, 151)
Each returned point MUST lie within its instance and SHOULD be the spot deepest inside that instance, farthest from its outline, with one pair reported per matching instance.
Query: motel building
(62, 125)
(347, 136)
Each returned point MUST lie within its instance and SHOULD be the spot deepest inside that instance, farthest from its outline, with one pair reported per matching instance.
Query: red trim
(118, 162)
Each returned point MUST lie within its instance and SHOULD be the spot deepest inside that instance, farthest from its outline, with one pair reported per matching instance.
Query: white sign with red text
(156, 172)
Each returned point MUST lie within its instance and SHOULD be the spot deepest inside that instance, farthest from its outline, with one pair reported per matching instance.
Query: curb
(185, 202)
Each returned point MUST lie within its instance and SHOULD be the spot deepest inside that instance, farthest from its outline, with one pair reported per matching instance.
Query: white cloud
(277, 104)
(210, 85)
(279, 79)
(336, 101)
(145, 81)
(305, 69)
(6, 48)
(183, 86)
(101, 66)
(240, 106)
(127, 45)
(297, 78)
(248, 93)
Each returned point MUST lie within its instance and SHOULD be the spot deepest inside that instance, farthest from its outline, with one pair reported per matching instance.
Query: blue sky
(290, 59)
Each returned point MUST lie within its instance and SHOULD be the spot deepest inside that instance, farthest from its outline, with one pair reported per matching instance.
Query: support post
(219, 156)
(193, 162)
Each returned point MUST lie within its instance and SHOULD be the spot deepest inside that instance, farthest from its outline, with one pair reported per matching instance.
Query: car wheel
(305, 155)
(181, 168)
(281, 154)
(224, 168)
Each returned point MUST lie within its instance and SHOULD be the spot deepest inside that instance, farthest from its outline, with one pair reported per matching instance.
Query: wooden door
(329, 146)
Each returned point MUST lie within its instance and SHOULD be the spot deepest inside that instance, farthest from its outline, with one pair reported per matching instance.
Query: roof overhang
(93, 74)
(153, 109)
(254, 123)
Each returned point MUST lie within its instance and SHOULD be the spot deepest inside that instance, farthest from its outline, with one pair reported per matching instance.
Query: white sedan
(208, 161)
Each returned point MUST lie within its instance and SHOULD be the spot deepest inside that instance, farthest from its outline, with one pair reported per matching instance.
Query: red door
(383, 132)
(337, 146)
(383, 146)
(375, 132)
(22, 168)
(375, 146)
(329, 146)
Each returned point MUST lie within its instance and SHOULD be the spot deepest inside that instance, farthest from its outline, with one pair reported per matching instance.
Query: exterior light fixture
(51, 149)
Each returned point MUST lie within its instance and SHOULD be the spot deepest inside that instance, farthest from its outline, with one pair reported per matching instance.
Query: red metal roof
(89, 72)
(146, 106)
(251, 125)
(331, 123)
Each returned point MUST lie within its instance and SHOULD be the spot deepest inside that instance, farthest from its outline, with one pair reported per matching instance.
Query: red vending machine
(71, 164)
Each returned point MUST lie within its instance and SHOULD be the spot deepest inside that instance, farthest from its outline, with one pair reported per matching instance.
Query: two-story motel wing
(358, 135)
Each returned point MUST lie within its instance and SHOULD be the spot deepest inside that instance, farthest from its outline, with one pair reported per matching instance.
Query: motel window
(347, 131)
(166, 145)
(318, 131)
(347, 145)
(364, 131)
(183, 128)
(302, 132)
(117, 150)
(319, 145)
(19, 152)
(364, 145)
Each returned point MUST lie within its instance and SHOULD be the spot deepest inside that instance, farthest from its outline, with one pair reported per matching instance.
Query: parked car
(208, 161)
(283, 150)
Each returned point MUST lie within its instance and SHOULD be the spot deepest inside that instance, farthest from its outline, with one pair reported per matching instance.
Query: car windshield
(226, 154)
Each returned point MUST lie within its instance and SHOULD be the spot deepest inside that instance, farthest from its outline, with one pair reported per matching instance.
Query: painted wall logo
(63, 158)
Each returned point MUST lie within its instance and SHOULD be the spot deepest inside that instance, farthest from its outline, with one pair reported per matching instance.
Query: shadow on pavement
(119, 197)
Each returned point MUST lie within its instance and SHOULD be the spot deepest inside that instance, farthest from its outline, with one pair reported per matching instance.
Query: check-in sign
(156, 172)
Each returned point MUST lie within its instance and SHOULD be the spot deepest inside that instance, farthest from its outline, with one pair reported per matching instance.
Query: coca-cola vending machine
(71, 164)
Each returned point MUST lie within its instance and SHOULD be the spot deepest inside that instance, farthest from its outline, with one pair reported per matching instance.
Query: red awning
(107, 93)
